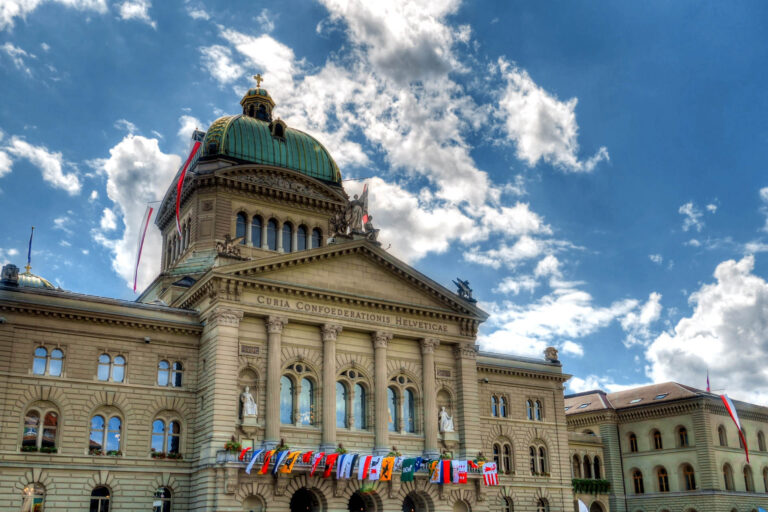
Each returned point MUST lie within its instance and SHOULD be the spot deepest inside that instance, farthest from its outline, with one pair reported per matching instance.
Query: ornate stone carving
(550, 354)
(465, 352)
(225, 317)
(279, 182)
(281, 484)
(464, 291)
(229, 247)
(230, 480)
(428, 345)
(446, 422)
(381, 339)
(330, 332)
(275, 324)
(371, 233)
(250, 408)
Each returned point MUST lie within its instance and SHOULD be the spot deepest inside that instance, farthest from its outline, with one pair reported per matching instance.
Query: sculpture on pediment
(464, 291)
(229, 246)
(354, 214)
(371, 233)
(550, 354)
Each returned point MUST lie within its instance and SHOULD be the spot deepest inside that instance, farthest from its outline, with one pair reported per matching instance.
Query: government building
(276, 320)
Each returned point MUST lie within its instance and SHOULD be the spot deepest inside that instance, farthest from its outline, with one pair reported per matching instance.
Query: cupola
(257, 103)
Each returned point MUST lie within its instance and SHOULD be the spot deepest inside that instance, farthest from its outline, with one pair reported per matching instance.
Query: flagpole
(29, 250)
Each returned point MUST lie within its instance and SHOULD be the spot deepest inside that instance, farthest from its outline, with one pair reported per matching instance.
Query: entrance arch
(596, 507)
(305, 500)
(362, 502)
(416, 502)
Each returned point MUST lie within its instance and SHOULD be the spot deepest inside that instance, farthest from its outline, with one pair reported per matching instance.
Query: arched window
(497, 455)
(105, 435)
(538, 410)
(721, 435)
(728, 477)
(240, 226)
(657, 444)
(587, 467)
(409, 412)
(359, 406)
(507, 459)
(166, 437)
(162, 500)
(177, 370)
(393, 419)
(288, 237)
(576, 467)
(306, 402)
(543, 466)
(749, 482)
(341, 405)
(502, 407)
(532, 457)
(508, 505)
(682, 437)
(163, 367)
(286, 400)
(33, 498)
(256, 231)
(301, 238)
(47, 364)
(598, 470)
(529, 409)
(272, 235)
(765, 479)
(34, 438)
(111, 369)
(494, 406)
(254, 504)
(663, 478)
(542, 505)
(761, 441)
(317, 238)
(632, 443)
(100, 499)
(689, 478)
(637, 480)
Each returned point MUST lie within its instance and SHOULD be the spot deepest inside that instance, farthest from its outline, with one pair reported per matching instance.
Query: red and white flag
(140, 245)
(735, 417)
(459, 468)
(180, 183)
(316, 460)
(364, 467)
(490, 474)
(375, 468)
(330, 460)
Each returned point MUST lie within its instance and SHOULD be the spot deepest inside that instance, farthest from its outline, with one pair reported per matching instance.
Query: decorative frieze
(225, 317)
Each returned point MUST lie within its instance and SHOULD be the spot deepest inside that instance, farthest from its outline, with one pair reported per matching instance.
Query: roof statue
(229, 246)
(354, 222)
(464, 291)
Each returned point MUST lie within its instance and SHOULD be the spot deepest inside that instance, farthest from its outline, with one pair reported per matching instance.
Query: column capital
(330, 332)
(464, 352)
(275, 324)
(381, 339)
(225, 317)
(428, 345)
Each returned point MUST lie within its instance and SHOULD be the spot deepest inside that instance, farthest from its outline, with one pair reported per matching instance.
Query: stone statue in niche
(250, 409)
(446, 422)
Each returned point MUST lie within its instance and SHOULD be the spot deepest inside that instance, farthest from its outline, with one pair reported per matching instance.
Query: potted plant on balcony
(282, 446)
(28, 448)
(48, 449)
(232, 446)
(394, 452)
(340, 449)
(157, 455)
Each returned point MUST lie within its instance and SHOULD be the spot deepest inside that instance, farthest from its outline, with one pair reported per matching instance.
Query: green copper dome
(270, 143)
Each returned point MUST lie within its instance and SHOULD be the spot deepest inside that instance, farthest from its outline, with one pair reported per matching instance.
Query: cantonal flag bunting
(490, 474)
(317, 459)
(349, 466)
(364, 467)
(306, 457)
(180, 184)
(387, 465)
(242, 453)
(290, 460)
(409, 465)
(459, 468)
(441, 472)
(374, 471)
(254, 456)
(279, 459)
(735, 417)
(330, 460)
(265, 466)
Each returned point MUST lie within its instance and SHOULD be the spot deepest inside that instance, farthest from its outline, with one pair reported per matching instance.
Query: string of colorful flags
(368, 467)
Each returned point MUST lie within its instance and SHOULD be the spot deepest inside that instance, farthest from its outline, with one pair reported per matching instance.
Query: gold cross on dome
(258, 80)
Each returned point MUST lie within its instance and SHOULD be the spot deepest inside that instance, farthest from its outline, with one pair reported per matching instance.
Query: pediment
(359, 269)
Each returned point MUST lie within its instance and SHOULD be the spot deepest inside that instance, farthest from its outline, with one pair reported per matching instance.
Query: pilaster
(275, 326)
(329, 335)
(428, 346)
(380, 342)
(613, 464)
(468, 399)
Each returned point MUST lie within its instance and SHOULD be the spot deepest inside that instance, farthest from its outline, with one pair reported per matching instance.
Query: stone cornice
(590, 418)
(522, 372)
(105, 318)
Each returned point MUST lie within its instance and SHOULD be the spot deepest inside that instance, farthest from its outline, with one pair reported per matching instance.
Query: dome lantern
(257, 103)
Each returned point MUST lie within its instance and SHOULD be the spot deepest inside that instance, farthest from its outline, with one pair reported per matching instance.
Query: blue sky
(595, 170)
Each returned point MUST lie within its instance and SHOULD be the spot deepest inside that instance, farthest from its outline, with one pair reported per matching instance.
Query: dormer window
(277, 128)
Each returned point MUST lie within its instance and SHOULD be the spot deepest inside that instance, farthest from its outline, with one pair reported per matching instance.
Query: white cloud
(572, 349)
(594, 382)
(764, 207)
(217, 60)
(541, 126)
(515, 285)
(12, 252)
(691, 217)
(94, 196)
(510, 256)
(108, 220)
(50, 164)
(711, 208)
(45, 46)
(725, 333)
(124, 124)
(64, 243)
(137, 10)
(6, 164)
(11, 9)
(187, 125)
(547, 266)
(637, 323)
(18, 56)
(266, 55)
(693, 243)
(656, 258)
(137, 172)
(198, 13)
(265, 21)
(63, 223)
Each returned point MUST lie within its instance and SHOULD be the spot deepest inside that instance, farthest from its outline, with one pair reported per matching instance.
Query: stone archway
(361, 502)
(304, 500)
(415, 502)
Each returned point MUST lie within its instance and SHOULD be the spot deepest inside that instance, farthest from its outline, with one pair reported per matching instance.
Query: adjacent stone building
(276, 318)
(669, 448)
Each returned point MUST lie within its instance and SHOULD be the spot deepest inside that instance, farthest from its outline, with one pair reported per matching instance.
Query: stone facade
(662, 450)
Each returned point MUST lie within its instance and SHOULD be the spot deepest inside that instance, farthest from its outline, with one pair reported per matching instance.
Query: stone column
(330, 333)
(275, 326)
(295, 238)
(380, 342)
(248, 240)
(469, 425)
(280, 236)
(264, 223)
(428, 346)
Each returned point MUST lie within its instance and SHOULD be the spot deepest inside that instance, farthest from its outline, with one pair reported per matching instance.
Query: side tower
(255, 187)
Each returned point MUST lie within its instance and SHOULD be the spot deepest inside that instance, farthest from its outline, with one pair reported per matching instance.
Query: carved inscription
(251, 350)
